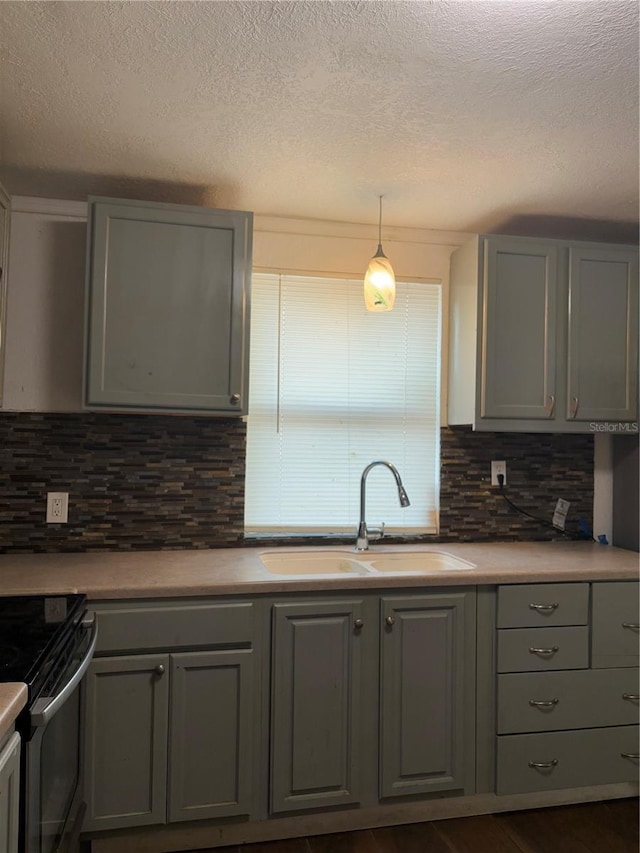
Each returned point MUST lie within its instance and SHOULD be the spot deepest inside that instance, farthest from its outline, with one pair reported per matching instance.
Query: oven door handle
(46, 707)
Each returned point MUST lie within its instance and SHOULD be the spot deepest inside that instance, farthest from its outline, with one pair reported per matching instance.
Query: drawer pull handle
(543, 765)
(633, 756)
(543, 703)
(551, 651)
(359, 623)
(631, 697)
(544, 608)
(634, 626)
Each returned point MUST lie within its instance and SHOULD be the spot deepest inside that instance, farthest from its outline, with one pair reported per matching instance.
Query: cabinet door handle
(633, 756)
(159, 670)
(543, 765)
(543, 703)
(551, 404)
(544, 608)
(359, 623)
(389, 621)
(235, 399)
(551, 651)
(634, 626)
(631, 697)
(575, 402)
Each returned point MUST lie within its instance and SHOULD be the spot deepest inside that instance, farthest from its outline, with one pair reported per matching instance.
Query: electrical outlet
(498, 467)
(57, 507)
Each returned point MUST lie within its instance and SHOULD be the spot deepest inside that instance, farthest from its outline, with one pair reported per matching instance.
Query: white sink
(313, 563)
(419, 562)
(341, 563)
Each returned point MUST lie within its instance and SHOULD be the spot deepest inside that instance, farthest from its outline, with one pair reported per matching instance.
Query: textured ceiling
(471, 115)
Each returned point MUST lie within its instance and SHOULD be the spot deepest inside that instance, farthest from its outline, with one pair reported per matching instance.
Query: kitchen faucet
(362, 542)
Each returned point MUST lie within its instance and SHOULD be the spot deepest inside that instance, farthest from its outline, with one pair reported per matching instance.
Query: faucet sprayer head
(404, 498)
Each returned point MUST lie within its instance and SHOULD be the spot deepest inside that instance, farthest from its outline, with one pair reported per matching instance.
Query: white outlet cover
(498, 467)
(57, 507)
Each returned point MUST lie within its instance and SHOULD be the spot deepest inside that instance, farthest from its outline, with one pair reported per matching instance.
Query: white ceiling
(473, 115)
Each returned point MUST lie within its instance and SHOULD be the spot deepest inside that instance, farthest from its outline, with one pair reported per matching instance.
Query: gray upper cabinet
(167, 308)
(603, 335)
(5, 221)
(518, 345)
(543, 334)
(427, 692)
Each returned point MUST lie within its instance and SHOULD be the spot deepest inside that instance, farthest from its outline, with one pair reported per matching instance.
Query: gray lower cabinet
(616, 625)
(210, 734)
(9, 793)
(426, 690)
(167, 308)
(127, 716)
(567, 697)
(173, 723)
(353, 679)
(543, 334)
(316, 704)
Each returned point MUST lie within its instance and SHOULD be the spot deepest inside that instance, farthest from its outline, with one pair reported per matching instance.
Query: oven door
(53, 807)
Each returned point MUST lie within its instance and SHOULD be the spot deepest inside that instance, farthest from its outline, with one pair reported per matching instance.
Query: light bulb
(379, 284)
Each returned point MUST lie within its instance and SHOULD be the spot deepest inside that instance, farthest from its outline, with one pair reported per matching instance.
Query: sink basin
(313, 563)
(322, 563)
(419, 562)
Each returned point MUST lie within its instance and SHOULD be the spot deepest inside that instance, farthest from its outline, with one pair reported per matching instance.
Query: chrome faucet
(364, 534)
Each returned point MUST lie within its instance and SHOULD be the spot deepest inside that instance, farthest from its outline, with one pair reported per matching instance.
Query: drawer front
(584, 699)
(133, 627)
(574, 759)
(615, 634)
(540, 649)
(541, 604)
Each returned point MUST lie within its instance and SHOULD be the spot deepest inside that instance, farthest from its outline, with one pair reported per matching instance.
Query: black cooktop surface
(33, 629)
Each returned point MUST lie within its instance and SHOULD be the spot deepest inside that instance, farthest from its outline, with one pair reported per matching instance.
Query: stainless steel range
(48, 642)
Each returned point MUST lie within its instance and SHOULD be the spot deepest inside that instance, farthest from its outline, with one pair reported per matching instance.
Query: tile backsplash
(152, 482)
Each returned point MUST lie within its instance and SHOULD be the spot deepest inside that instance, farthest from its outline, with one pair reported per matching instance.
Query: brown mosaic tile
(161, 482)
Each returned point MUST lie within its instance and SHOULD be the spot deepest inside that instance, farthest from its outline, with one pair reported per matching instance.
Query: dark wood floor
(610, 827)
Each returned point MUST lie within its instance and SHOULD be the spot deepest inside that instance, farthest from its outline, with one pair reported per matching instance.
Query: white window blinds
(332, 388)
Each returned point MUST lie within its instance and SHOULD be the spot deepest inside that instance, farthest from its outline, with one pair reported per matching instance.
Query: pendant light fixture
(379, 280)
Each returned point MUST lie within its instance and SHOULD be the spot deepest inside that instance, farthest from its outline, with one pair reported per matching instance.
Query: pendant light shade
(379, 280)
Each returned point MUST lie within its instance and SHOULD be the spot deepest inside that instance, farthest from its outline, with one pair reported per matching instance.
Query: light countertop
(13, 698)
(239, 571)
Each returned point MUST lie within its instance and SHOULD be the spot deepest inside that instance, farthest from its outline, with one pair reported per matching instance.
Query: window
(332, 388)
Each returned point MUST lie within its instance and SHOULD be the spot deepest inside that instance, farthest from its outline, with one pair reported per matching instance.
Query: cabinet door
(603, 335)
(167, 307)
(316, 695)
(5, 220)
(210, 773)
(519, 330)
(126, 741)
(616, 624)
(10, 794)
(423, 693)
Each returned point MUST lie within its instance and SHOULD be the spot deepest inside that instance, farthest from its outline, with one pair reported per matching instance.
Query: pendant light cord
(380, 224)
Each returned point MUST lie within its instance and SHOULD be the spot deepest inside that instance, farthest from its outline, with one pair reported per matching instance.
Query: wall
(124, 488)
